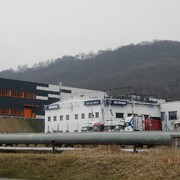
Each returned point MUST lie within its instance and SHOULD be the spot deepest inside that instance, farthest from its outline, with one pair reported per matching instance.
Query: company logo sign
(117, 102)
(51, 107)
(92, 102)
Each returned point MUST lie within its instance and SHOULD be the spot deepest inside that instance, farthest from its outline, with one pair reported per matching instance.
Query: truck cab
(177, 125)
(133, 123)
(153, 124)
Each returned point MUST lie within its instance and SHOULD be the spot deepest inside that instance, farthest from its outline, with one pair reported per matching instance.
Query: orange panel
(27, 112)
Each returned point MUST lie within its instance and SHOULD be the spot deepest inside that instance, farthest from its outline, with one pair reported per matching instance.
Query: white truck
(177, 125)
(133, 123)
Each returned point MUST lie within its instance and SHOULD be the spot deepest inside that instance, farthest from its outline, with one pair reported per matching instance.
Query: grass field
(102, 162)
(21, 125)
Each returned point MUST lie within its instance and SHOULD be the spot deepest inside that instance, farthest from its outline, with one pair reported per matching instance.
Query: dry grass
(102, 162)
(10, 125)
(20, 125)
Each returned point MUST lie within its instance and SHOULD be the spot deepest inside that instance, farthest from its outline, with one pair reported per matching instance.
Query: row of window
(76, 116)
(17, 94)
(13, 112)
(83, 116)
(171, 114)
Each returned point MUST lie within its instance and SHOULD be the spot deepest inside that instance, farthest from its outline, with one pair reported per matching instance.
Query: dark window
(129, 114)
(132, 114)
(163, 116)
(89, 115)
(61, 118)
(83, 116)
(119, 115)
(49, 118)
(172, 115)
(97, 114)
(67, 117)
(55, 118)
(146, 116)
(76, 116)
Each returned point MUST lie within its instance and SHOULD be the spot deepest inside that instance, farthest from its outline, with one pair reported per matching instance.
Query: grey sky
(36, 30)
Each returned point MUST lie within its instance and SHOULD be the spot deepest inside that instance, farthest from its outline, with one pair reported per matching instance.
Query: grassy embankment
(103, 162)
(21, 125)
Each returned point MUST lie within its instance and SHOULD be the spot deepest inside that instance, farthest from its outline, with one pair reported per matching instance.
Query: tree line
(148, 67)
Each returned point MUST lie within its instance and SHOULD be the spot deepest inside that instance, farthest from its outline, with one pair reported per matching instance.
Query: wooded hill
(149, 67)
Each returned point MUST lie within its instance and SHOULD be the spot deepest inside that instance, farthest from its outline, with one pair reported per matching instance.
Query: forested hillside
(149, 67)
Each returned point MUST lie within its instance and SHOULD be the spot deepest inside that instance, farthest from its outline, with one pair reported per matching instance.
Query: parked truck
(153, 124)
(136, 123)
(131, 123)
(177, 125)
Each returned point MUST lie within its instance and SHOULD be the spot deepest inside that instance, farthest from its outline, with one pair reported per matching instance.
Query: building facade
(72, 114)
(27, 99)
(70, 109)
(170, 114)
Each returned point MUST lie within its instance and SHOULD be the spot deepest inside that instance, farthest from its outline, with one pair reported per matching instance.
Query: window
(76, 116)
(146, 116)
(61, 118)
(97, 114)
(89, 115)
(129, 114)
(83, 116)
(172, 115)
(163, 116)
(49, 118)
(67, 117)
(55, 118)
(119, 115)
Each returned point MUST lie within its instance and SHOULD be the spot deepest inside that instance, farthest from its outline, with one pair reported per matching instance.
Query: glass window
(61, 118)
(67, 117)
(83, 116)
(163, 116)
(76, 116)
(55, 118)
(89, 115)
(146, 116)
(172, 115)
(97, 114)
(49, 118)
(119, 115)
(129, 114)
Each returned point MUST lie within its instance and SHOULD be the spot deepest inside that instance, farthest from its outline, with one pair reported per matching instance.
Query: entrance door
(27, 112)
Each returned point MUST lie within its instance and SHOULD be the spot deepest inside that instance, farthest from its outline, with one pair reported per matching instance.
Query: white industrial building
(74, 113)
(79, 108)
(170, 114)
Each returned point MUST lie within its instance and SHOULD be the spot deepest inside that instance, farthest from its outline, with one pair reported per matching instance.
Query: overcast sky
(37, 30)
